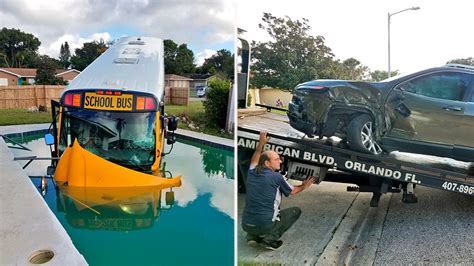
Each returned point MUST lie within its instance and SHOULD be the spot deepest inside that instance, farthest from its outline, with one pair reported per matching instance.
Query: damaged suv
(429, 112)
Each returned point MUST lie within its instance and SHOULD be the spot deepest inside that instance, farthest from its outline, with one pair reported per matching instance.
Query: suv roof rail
(460, 66)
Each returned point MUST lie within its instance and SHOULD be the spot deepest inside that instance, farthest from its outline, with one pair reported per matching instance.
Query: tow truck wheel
(361, 135)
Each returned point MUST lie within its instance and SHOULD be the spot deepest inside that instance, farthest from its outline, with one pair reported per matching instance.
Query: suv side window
(448, 86)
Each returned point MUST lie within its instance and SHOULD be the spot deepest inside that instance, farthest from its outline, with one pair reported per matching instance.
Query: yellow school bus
(110, 119)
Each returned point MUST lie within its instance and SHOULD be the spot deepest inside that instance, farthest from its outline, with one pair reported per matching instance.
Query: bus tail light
(145, 103)
(140, 103)
(72, 99)
(149, 103)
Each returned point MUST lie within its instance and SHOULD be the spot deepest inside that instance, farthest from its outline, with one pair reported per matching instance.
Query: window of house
(448, 86)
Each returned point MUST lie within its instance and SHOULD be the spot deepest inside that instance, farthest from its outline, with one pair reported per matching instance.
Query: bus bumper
(81, 168)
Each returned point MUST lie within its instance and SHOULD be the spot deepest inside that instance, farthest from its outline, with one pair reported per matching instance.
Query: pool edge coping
(21, 238)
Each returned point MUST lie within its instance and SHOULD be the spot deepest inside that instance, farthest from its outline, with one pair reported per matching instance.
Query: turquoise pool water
(148, 227)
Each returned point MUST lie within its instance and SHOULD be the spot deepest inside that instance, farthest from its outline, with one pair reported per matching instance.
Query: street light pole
(389, 16)
(389, 73)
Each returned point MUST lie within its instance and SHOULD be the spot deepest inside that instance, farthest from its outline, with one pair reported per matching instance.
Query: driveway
(338, 227)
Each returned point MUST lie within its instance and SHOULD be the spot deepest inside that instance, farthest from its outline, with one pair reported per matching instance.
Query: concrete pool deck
(227, 144)
(27, 225)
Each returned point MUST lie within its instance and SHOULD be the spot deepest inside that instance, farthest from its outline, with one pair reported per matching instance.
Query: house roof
(65, 71)
(201, 76)
(175, 77)
(31, 72)
(20, 72)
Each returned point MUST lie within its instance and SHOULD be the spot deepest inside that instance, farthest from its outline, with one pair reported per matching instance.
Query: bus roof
(132, 64)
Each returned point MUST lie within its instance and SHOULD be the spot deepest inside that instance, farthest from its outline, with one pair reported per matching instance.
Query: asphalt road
(339, 228)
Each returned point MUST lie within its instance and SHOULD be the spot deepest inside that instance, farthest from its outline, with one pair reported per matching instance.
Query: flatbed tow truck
(331, 161)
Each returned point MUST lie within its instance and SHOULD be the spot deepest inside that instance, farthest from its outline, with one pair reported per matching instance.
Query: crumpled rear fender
(350, 111)
(357, 93)
(319, 100)
(353, 98)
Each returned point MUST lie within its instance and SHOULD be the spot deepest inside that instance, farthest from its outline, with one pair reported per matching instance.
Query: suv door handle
(452, 108)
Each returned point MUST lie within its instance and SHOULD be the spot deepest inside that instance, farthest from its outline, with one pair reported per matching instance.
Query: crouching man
(262, 218)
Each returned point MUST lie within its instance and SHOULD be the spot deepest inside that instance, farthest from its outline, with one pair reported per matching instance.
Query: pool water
(148, 227)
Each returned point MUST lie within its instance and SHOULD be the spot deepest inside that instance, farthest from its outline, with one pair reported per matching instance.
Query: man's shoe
(273, 245)
(254, 242)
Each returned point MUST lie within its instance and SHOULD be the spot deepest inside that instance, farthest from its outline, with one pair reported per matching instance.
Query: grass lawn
(21, 116)
(194, 114)
(279, 111)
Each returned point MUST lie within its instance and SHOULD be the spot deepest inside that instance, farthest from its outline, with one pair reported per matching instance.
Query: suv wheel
(361, 135)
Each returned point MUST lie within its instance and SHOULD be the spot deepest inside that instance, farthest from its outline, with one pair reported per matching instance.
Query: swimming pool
(148, 227)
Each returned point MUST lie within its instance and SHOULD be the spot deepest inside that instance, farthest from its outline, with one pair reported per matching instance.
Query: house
(26, 76)
(67, 74)
(176, 81)
(199, 80)
(17, 76)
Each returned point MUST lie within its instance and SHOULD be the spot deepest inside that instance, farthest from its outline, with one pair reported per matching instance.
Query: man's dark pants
(275, 230)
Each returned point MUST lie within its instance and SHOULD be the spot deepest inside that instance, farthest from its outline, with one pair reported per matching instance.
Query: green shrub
(216, 101)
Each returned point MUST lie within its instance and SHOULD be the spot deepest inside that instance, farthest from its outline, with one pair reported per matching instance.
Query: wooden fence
(28, 96)
(36, 95)
(174, 95)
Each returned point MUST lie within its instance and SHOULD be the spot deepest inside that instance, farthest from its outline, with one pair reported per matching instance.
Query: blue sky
(204, 25)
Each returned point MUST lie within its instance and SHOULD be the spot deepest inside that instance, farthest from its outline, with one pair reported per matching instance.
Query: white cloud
(200, 57)
(186, 193)
(74, 41)
(200, 23)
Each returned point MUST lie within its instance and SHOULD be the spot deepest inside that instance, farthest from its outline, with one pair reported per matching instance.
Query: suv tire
(360, 135)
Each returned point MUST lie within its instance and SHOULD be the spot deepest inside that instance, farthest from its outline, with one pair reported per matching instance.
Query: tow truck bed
(378, 174)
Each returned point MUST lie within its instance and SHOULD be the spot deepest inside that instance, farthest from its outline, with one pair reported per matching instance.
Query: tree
(171, 49)
(65, 55)
(292, 56)
(45, 73)
(185, 60)
(178, 59)
(214, 163)
(379, 75)
(28, 59)
(16, 47)
(215, 104)
(87, 54)
(220, 63)
(464, 61)
(349, 69)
